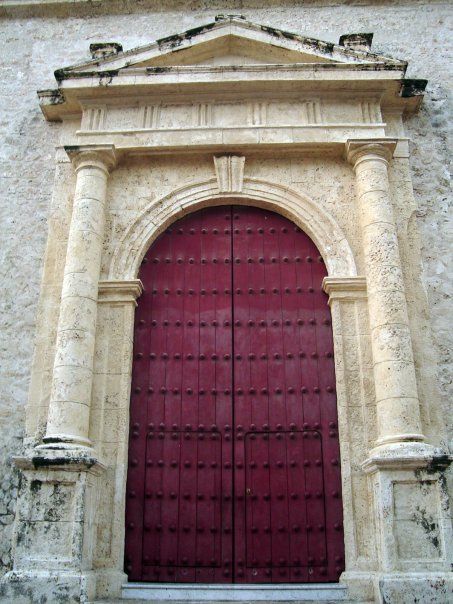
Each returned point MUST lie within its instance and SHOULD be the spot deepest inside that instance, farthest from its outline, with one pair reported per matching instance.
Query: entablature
(193, 91)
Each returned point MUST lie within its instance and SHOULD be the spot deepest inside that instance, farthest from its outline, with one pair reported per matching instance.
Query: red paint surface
(234, 472)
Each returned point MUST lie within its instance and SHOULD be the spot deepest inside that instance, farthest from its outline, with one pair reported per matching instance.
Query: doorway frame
(347, 298)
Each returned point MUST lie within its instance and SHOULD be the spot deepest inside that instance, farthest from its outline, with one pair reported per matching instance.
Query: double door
(233, 470)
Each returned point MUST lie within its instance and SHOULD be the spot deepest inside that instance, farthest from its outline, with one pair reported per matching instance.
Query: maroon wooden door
(234, 470)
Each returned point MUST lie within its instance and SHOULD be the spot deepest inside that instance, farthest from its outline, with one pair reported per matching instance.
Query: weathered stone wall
(34, 46)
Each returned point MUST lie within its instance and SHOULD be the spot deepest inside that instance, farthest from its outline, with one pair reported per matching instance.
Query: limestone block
(372, 176)
(375, 207)
(91, 184)
(83, 255)
(396, 421)
(74, 348)
(78, 313)
(416, 526)
(387, 307)
(88, 215)
(68, 418)
(71, 384)
(381, 243)
(79, 285)
(387, 277)
(392, 342)
(392, 380)
(429, 588)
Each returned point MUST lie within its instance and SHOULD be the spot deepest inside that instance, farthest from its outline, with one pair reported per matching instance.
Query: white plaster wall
(33, 47)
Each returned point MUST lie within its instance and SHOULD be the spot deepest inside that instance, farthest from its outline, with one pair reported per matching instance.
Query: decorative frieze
(223, 113)
(311, 112)
(257, 113)
(202, 114)
(370, 111)
(150, 116)
(94, 118)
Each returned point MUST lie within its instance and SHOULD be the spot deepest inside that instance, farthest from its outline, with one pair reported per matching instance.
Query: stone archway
(300, 209)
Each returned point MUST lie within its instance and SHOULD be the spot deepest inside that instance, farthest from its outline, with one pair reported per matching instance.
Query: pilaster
(69, 408)
(398, 409)
(405, 474)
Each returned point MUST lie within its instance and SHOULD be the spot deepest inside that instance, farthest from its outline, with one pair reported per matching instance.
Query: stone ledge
(72, 460)
(407, 456)
(192, 593)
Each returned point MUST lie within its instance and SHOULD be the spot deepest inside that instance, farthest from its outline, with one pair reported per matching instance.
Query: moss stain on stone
(428, 524)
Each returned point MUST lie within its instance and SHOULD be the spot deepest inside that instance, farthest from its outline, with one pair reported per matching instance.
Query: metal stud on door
(233, 460)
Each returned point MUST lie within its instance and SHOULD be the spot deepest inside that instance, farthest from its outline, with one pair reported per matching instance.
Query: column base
(412, 507)
(404, 454)
(37, 586)
(64, 441)
(54, 531)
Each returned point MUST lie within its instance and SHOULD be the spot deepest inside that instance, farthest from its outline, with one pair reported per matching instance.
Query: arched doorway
(234, 472)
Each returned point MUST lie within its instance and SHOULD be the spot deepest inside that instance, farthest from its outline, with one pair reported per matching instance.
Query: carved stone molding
(345, 288)
(117, 292)
(229, 170)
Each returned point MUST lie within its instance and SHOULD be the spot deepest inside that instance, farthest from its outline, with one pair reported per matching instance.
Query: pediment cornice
(204, 63)
(198, 44)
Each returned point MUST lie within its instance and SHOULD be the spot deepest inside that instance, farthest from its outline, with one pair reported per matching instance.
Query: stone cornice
(116, 292)
(279, 81)
(345, 288)
(317, 139)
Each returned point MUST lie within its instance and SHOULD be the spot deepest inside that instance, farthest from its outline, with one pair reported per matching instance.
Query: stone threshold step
(197, 593)
(132, 601)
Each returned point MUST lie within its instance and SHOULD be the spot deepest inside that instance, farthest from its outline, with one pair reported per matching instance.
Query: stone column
(69, 409)
(398, 412)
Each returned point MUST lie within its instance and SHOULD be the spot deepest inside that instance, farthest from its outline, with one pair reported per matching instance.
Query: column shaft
(69, 409)
(398, 412)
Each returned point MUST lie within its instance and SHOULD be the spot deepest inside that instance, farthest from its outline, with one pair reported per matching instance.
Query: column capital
(99, 156)
(358, 150)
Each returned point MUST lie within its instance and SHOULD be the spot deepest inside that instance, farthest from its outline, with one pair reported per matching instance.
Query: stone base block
(36, 587)
(407, 588)
(109, 583)
(361, 586)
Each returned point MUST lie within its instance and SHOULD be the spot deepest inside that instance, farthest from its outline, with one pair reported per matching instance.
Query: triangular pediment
(229, 41)
(232, 49)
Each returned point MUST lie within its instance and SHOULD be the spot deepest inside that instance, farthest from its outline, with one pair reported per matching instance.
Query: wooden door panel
(234, 469)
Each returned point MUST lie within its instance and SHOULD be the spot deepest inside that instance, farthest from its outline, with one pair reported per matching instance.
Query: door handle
(248, 492)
